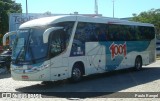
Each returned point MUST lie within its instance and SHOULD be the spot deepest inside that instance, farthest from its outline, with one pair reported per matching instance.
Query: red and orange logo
(117, 50)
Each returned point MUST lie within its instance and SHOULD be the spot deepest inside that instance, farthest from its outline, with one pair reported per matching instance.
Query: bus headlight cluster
(42, 67)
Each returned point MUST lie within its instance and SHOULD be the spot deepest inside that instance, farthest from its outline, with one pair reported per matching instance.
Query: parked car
(5, 59)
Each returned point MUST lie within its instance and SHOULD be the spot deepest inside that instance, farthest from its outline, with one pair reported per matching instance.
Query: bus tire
(138, 63)
(76, 75)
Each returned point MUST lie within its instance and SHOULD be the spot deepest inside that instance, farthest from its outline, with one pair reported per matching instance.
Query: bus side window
(78, 45)
(57, 43)
(102, 35)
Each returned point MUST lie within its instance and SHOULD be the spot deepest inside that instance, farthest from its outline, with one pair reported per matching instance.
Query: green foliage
(7, 7)
(151, 16)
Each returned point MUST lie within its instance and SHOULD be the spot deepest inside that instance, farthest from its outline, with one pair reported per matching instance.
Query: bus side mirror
(7, 35)
(47, 33)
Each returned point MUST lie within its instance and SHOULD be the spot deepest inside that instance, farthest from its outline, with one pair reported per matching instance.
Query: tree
(7, 7)
(151, 16)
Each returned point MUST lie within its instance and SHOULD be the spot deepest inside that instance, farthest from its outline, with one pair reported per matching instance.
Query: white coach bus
(61, 47)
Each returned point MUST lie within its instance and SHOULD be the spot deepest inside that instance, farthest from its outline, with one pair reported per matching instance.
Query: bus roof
(55, 19)
(47, 21)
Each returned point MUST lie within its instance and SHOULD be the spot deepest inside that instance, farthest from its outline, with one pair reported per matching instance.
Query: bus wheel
(76, 74)
(138, 63)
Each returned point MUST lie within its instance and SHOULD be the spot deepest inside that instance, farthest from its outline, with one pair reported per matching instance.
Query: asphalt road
(94, 86)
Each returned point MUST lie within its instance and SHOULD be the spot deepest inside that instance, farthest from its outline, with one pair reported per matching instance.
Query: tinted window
(58, 42)
(146, 33)
(91, 32)
(60, 39)
(130, 33)
(68, 27)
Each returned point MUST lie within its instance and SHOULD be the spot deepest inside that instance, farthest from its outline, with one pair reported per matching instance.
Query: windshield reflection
(37, 49)
(29, 47)
(20, 43)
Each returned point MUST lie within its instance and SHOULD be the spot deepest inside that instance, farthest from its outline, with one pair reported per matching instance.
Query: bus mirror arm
(47, 33)
(7, 35)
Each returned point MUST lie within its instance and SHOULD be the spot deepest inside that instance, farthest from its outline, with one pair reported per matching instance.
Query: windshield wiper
(19, 54)
(32, 56)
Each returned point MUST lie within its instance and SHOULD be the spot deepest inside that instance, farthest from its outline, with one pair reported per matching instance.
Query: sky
(122, 8)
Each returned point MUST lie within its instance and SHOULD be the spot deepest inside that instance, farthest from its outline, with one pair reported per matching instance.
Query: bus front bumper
(23, 75)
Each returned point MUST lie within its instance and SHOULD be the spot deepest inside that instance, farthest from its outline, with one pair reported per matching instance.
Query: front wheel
(76, 74)
(138, 63)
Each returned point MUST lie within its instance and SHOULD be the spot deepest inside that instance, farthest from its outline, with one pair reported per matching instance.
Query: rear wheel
(76, 74)
(138, 63)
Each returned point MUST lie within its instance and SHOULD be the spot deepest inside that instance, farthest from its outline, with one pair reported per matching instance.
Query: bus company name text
(118, 49)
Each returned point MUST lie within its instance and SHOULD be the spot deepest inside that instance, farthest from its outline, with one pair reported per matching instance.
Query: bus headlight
(40, 67)
(44, 67)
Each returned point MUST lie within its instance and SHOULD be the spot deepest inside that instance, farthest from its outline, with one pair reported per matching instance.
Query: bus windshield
(29, 46)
